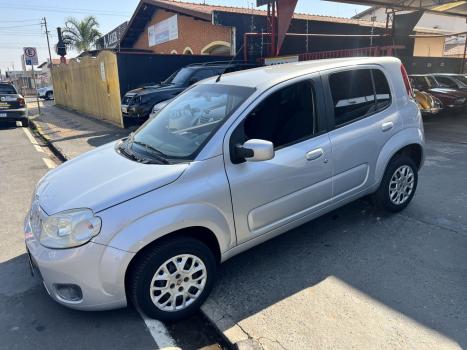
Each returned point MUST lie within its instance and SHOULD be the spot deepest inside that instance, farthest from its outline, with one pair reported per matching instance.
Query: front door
(297, 181)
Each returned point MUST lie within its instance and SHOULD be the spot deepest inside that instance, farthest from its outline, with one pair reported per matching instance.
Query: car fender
(398, 141)
(145, 230)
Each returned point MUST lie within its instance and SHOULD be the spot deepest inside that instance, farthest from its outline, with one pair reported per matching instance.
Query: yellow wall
(429, 47)
(79, 86)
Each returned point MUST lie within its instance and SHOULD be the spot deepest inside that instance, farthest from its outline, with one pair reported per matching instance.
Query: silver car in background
(228, 164)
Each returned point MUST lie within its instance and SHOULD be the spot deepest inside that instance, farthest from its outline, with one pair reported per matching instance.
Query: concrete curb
(58, 152)
(228, 328)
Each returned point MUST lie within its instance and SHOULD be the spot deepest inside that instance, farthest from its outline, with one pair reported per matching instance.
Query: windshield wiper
(162, 157)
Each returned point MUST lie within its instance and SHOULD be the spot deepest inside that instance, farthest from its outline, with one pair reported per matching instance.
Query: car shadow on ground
(31, 319)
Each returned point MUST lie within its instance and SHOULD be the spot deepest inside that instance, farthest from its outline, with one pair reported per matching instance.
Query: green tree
(81, 35)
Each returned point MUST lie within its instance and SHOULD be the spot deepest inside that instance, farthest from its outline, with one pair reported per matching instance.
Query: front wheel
(173, 279)
(398, 185)
(49, 95)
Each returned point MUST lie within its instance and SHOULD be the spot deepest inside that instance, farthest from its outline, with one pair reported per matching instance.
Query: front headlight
(69, 228)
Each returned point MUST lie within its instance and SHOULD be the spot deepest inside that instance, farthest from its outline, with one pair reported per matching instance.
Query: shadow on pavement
(30, 319)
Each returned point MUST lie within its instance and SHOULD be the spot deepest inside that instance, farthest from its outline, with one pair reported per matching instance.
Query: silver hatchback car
(228, 164)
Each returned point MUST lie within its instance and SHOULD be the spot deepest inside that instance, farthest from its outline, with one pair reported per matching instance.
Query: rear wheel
(398, 185)
(25, 123)
(173, 279)
(49, 95)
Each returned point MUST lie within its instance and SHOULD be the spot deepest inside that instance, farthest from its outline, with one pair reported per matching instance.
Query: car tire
(49, 95)
(158, 283)
(398, 185)
(25, 123)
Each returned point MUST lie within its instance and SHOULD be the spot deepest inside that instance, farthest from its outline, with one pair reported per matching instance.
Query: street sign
(30, 56)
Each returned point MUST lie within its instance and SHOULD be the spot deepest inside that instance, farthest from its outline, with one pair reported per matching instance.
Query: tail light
(21, 102)
(406, 80)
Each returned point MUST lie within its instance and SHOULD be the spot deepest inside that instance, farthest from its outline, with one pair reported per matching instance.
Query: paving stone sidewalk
(71, 133)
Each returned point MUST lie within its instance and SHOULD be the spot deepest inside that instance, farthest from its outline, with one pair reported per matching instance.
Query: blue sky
(20, 20)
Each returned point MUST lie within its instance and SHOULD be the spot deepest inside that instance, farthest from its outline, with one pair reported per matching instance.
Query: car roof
(271, 75)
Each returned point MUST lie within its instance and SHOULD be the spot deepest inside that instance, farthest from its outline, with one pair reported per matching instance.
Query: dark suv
(12, 105)
(137, 104)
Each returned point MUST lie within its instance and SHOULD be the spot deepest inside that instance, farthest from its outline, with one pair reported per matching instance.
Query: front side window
(445, 81)
(285, 117)
(358, 93)
(183, 126)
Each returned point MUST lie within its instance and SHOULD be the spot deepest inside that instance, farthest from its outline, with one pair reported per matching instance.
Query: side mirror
(255, 150)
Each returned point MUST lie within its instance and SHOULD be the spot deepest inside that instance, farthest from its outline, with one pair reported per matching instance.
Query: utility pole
(44, 22)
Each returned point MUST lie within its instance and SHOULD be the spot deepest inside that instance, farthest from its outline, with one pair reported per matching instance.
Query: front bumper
(98, 271)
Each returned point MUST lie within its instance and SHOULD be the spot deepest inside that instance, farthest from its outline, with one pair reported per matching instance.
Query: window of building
(354, 94)
(287, 116)
(188, 51)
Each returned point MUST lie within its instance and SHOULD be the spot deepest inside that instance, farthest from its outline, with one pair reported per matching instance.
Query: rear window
(7, 89)
(358, 93)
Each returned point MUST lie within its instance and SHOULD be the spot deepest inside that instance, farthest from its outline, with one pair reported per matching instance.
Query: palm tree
(81, 35)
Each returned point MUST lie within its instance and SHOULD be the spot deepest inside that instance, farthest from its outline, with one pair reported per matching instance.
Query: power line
(20, 26)
(20, 20)
(66, 10)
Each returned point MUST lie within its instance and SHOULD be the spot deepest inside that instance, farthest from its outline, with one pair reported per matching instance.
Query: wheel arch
(409, 142)
(200, 233)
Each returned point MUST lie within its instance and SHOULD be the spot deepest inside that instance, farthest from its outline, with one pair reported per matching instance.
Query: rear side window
(7, 89)
(358, 93)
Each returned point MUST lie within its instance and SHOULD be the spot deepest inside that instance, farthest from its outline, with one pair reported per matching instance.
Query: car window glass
(383, 93)
(419, 83)
(352, 94)
(7, 89)
(446, 82)
(431, 82)
(182, 127)
(201, 74)
(285, 117)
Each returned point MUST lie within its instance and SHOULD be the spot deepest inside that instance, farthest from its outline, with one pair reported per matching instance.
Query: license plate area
(2, 115)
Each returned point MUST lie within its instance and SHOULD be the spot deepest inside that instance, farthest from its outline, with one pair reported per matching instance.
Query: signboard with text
(163, 31)
(30, 56)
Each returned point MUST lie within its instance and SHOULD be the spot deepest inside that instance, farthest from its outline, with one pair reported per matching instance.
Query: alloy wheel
(178, 282)
(401, 185)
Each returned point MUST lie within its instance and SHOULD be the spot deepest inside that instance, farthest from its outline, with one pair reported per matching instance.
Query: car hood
(149, 90)
(100, 179)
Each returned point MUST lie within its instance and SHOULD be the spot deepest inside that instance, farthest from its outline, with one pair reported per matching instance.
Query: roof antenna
(230, 62)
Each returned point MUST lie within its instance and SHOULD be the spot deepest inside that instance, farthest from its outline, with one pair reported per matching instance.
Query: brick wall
(192, 33)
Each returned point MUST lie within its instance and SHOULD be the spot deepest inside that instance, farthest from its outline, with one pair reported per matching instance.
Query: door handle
(315, 154)
(387, 126)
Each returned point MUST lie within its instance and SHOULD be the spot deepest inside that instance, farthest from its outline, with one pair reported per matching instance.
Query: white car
(47, 93)
(229, 163)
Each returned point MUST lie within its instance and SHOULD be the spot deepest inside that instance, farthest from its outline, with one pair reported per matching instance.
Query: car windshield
(180, 77)
(7, 89)
(185, 124)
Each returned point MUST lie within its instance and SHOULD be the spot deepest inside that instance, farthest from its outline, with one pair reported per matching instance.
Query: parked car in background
(452, 81)
(12, 105)
(450, 98)
(137, 104)
(225, 166)
(158, 107)
(428, 104)
(47, 93)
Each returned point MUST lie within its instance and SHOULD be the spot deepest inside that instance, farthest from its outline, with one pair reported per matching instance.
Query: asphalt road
(29, 319)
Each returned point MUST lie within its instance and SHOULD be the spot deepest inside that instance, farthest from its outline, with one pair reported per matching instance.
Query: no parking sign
(30, 56)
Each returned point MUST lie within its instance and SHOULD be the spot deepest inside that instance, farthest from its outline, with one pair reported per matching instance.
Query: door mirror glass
(256, 150)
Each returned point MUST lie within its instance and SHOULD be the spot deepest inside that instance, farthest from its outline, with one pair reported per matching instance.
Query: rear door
(8, 97)
(363, 119)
